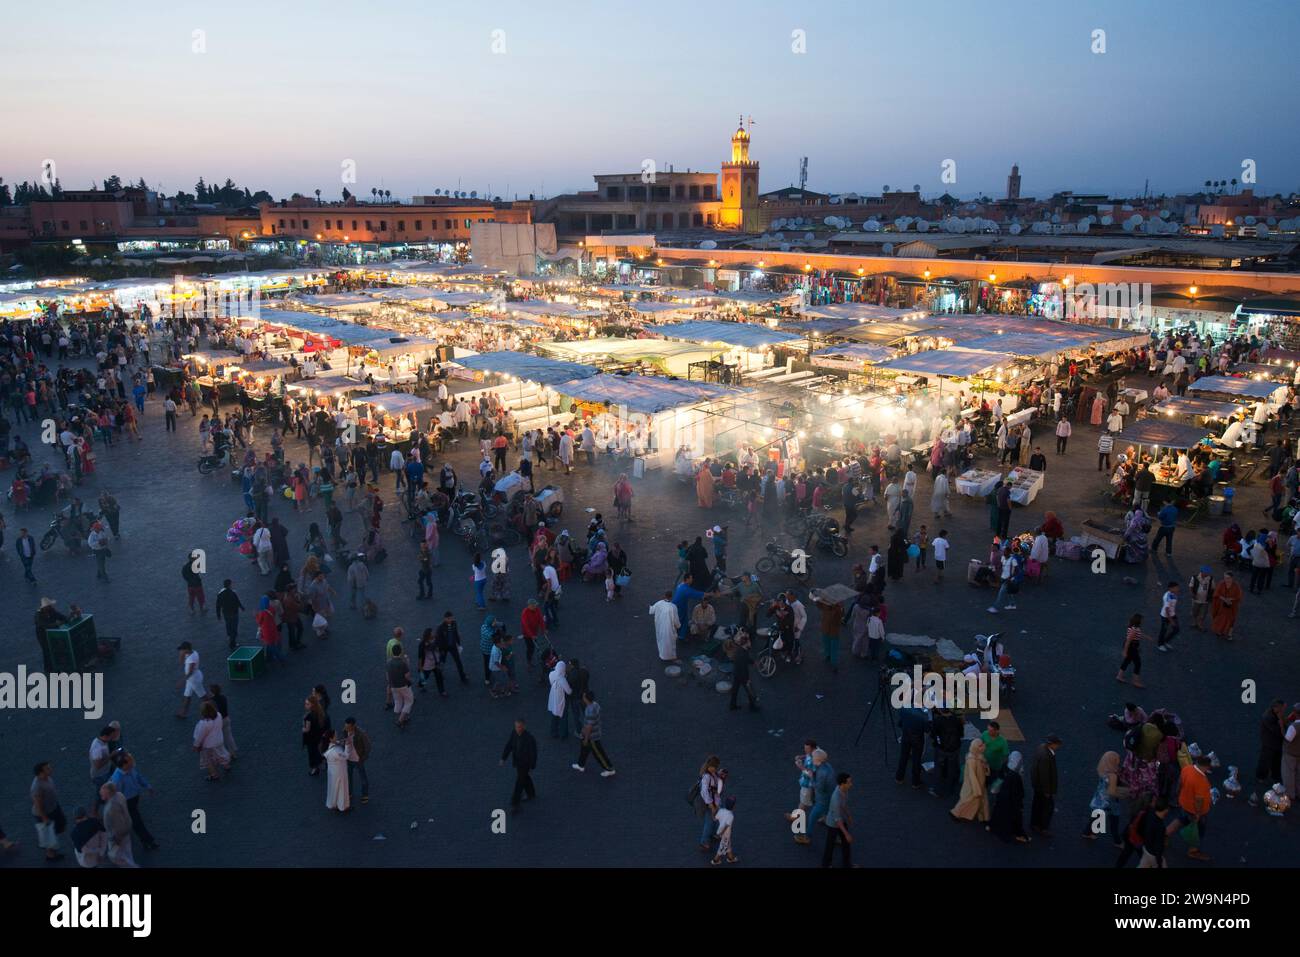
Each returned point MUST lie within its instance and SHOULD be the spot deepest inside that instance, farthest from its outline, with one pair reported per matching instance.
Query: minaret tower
(740, 184)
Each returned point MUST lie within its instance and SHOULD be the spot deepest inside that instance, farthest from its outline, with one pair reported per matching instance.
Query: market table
(1025, 484)
(977, 482)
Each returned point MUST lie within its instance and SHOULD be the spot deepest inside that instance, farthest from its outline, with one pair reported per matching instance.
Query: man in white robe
(667, 625)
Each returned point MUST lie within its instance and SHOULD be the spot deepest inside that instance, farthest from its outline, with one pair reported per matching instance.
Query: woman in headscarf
(1098, 409)
(557, 699)
(893, 495)
(973, 804)
(1008, 818)
(697, 561)
(337, 797)
(1224, 606)
(992, 501)
(896, 559)
(905, 507)
(859, 619)
(597, 564)
(1136, 545)
(1107, 798)
(1053, 528)
(939, 497)
(704, 486)
(623, 498)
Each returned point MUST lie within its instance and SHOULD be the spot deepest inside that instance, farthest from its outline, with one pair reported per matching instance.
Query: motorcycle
(467, 515)
(73, 529)
(995, 661)
(787, 561)
(827, 536)
(211, 462)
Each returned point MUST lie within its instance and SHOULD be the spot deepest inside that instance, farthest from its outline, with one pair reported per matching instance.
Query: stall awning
(395, 403)
(1190, 405)
(1161, 432)
(527, 367)
(956, 363)
(407, 294)
(1231, 385)
(648, 394)
(862, 312)
(861, 351)
(327, 385)
(260, 367)
(401, 345)
(339, 300)
(746, 335)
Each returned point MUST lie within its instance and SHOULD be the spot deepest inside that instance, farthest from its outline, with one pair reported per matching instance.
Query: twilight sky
(412, 91)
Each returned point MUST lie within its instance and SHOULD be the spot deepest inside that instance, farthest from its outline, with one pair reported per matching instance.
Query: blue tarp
(1190, 405)
(642, 393)
(947, 362)
(747, 335)
(1231, 385)
(528, 367)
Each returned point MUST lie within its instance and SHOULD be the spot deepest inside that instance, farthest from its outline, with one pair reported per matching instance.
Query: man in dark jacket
(740, 676)
(1269, 767)
(579, 679)
(1042, 773)
(228, 608)
(521, 747)
(947, 731)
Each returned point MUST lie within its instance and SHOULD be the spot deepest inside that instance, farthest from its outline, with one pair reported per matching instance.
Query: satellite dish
(831, 221)
(709, 244)
(1250, 220)
(1015, 229)
(1108, 220)
(1164, 214)
(1261, 231)
(1216, 231)
(887, 249)
(1128, 208)
(1272, 220)
(922, 226)
(871, 226)
(807, 237)
(785, 247)
(473, 194)
(1056, 217)
(1084, 226)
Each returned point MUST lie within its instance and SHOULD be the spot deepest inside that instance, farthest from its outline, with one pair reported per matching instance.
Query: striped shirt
(591, 716)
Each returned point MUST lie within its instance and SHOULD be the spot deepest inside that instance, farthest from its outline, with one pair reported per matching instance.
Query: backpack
(693, 793)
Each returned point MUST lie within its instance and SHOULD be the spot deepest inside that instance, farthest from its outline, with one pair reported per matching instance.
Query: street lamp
(1192, 290)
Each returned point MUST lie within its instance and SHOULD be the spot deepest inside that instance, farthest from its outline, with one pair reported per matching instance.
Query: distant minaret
(1013, 183)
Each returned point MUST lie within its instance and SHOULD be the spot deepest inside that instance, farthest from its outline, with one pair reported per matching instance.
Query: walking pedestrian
(1168, 618)
(1201, 589)
(50, 820)
(557, 699)
(228, 608)
(26, 547)
(191, 680)
(449, 644)
(1043, 776)
(740, 675)
(131, 784)
(1168, 518)
(399, 680)
(591, 737)
(838, 823)
(357, 749)
(117, 822)
(1224, 606)
(521, 748)
(1133, 639)
(222, 704)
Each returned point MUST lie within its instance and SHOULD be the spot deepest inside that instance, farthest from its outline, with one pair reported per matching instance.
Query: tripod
(888, 729)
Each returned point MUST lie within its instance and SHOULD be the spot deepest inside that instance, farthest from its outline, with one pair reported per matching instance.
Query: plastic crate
(246, 662)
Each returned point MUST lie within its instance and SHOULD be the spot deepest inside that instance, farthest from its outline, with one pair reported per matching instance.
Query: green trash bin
(246, 662)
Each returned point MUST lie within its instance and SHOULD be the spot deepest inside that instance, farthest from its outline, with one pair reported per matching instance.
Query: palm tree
(388, 195)
(374, 194)
(1234, 184)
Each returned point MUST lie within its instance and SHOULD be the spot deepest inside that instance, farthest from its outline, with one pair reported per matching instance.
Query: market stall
(1240, 388)
(392, 416)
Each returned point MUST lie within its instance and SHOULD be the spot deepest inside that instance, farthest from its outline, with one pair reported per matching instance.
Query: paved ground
(434, 787)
